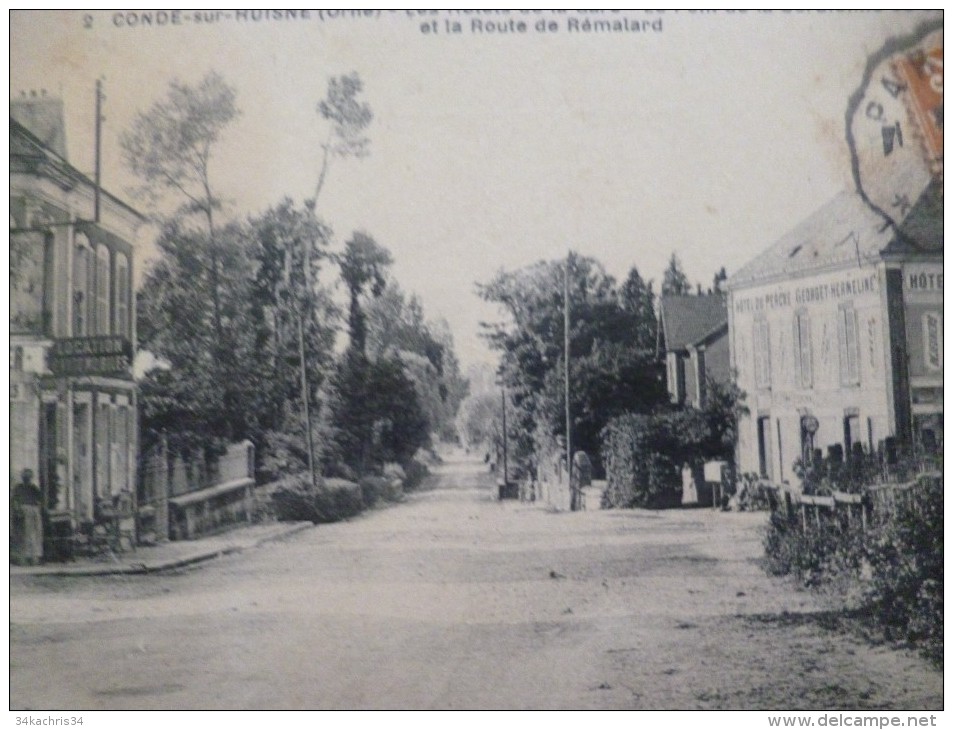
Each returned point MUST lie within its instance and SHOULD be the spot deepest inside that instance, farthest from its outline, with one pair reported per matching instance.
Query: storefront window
(103, 488)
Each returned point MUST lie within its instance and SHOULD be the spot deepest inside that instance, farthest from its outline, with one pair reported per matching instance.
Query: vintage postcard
(476, 360)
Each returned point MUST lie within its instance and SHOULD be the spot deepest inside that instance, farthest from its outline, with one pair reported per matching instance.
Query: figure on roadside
(582, 469)
(26, 531)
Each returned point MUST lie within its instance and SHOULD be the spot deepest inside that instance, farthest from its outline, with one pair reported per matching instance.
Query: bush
(375, 489)
(906, 559)
(642, 455)
(415, 473)
(295, 499)
(896, 566)
(394, 471)
(830, 556)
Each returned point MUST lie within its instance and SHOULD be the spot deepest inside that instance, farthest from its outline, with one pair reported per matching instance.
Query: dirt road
(453, 600)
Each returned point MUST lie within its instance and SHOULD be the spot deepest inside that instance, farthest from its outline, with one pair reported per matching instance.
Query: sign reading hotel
(76, 356)
(786, 296)
(923, 277)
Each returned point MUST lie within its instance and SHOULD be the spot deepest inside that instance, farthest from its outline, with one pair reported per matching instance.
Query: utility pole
(306, 398)
(572, 491)
(506, 477)
(99, 133)
(301, 302)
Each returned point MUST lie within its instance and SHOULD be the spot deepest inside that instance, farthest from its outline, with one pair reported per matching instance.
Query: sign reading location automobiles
(107, 355)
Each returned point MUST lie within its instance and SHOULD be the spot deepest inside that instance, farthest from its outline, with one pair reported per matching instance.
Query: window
(31, 282)
(103, 325)
(122, 295)
(933, 340)
(81, 276)
(103, 430)
(803, 373)
(762, 353)
(847, 341)
(852, 434)
(676, 377)
(765, 464)
(118, 452)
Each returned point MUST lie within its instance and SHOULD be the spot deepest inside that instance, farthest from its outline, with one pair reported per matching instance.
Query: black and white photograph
(468, 360)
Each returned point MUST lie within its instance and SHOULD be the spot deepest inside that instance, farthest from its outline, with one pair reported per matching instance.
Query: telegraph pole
(97, 152)
(572, 492)
(506, 477)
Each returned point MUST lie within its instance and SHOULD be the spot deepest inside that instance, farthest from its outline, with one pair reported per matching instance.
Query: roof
(35, 157)
(922, 229)
(847, 231)
(43, 116)
(842, 231)
(688, 319)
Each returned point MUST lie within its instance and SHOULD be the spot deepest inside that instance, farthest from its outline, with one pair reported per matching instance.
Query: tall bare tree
(169, 147)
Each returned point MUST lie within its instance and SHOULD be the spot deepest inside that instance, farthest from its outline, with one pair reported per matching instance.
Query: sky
(709, 138)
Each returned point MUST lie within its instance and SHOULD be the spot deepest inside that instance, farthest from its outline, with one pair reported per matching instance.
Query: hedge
(643, 455)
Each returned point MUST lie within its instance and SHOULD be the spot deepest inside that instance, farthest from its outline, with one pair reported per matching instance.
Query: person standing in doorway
(27, 528)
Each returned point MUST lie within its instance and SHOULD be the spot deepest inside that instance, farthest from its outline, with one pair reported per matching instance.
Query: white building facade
(836, 337)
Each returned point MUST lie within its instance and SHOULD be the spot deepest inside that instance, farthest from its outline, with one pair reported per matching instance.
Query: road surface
(453, 600)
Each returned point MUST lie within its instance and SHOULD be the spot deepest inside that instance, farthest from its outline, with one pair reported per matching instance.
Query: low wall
(192, 513)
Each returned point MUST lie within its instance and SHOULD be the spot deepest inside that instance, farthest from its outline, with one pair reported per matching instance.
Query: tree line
(240, 315)
(616, 353)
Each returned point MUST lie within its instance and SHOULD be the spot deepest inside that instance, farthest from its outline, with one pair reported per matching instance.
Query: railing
(874, 504)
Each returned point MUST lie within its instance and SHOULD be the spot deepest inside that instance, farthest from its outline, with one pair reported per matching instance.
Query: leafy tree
(674, 281)
(638, 300)
(718, 282)
(169, 147)
(188, 395)
(396, 327)
(377, 417)
(363, 267)
(724, 407)
(348, 117)
(610, 369)
(480, 420)
(289, 246)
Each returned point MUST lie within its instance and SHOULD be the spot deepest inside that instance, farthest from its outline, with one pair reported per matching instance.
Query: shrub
(295, 499)
(830, 555)
(338, 499)
(375, 489)
(642, 454)
(906, 560)
(394, 471)
(896, 566)
(415, 473)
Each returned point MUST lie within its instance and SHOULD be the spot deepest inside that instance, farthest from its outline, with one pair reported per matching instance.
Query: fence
(184, 495)
(874, 504)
